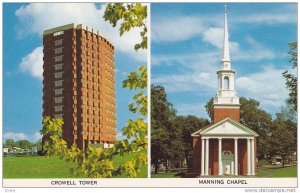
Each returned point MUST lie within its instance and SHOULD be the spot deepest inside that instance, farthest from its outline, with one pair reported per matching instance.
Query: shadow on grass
(180, 174)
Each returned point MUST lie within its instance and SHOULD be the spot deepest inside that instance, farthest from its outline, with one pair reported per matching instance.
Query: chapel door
(227, 159)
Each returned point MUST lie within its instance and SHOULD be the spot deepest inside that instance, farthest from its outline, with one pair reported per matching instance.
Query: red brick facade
(227, 145)
(196, 154)
(222, 113)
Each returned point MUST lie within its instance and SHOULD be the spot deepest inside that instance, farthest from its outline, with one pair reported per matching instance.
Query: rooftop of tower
(79, 26)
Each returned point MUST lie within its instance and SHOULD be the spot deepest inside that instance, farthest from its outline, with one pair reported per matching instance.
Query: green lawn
(42, 167)
(269, 172)
(143, 171)
(166, 175)
(289, 171)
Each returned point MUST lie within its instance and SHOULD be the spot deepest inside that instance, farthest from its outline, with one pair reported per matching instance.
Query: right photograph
(223, 90)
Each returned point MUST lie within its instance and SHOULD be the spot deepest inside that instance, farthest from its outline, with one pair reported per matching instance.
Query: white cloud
(204, 61)
(37, 17)
(209, 61)
(33, 63)
(180, 83)
(37, 136)
(255, 51)
(198, 69)
(271, 18)
(197, 109)
(214, 36)
(187, 82)
(14, 135)
(266, 86)
(171, 29)
(197, 75)
(196, 72)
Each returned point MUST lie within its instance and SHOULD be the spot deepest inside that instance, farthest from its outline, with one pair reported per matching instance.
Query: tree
(38, 144)
(252, 116)
(170, 134)
(210, 109)
(188, 125)
(291, 78)
(9, 143)
(133, 15)
(162, 134)
(97, 162)
(24, 144)
(283, 138)
(288, 112)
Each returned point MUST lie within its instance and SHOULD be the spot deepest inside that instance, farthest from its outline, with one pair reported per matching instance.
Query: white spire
(226, 56)
(226, 94)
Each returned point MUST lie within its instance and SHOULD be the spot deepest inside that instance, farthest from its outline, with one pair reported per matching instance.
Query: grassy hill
(43, 167)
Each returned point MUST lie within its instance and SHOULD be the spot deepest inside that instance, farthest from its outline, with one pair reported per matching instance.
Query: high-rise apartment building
(79, 84)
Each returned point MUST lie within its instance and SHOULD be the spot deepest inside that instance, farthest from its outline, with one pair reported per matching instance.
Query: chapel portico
(226, 148)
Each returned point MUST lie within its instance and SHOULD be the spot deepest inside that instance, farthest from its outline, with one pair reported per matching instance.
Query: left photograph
(75, 90)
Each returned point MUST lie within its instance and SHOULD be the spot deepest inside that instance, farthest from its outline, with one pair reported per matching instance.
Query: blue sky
(187, 43)
(23, 25)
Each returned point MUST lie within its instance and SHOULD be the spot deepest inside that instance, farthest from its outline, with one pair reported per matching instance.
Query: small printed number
(10, 190)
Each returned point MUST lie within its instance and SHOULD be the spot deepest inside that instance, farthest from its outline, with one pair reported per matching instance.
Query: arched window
(226, 83)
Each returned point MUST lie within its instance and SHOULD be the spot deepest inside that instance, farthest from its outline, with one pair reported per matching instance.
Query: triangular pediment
(226, 127)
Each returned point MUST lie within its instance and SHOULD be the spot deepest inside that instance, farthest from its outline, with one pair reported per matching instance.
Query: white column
(220, 157)
(248, 157)
(236, 156)
(202, 157)
(206, 157)
(232, 168)
(252, 158)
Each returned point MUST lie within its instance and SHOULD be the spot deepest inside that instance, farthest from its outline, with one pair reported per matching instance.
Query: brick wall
(227, 145)
(196, 154)
(213, 156)
(222, 113)
(242, 158)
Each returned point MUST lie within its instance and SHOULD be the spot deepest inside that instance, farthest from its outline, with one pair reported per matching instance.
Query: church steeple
(226, 101)
(226, 63)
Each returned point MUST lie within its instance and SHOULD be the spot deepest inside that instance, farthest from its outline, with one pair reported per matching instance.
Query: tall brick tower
(226, 102)
(79, 84)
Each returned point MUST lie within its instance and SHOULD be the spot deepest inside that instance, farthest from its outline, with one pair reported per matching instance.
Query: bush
(263, 162)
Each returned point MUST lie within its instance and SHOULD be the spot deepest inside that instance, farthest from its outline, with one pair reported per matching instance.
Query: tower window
(226, 83)
(58, 50)
(58, 91)
(58, 42)
(58, 66)
(58, 58)
(58, 108)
